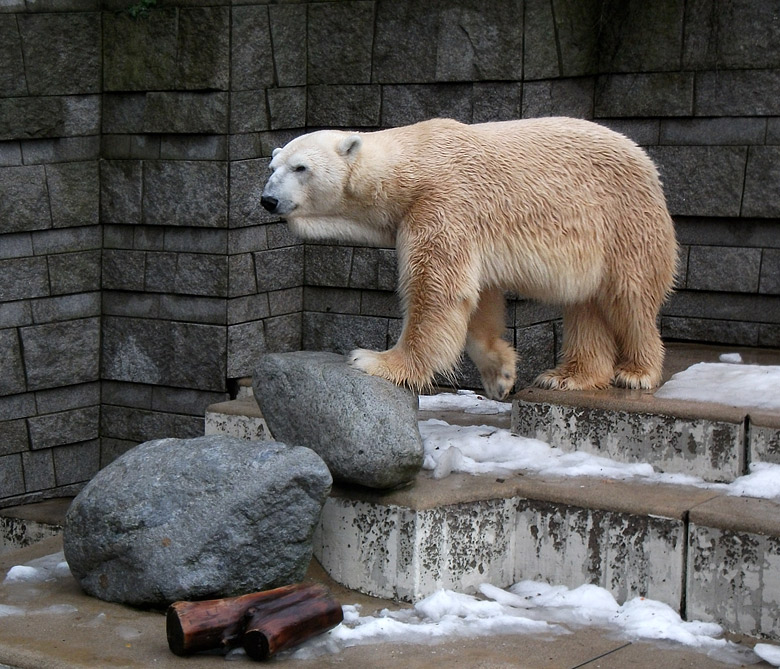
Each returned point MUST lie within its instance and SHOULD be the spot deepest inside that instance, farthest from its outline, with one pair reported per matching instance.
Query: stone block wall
(139, 278)
(50, 247)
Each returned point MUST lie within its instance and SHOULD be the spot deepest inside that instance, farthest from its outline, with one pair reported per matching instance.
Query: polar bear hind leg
(494, 357)
(640, 349)
(589, 351)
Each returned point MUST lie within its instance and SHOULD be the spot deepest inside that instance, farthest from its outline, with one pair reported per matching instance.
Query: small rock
(364, 427)
(200, 518)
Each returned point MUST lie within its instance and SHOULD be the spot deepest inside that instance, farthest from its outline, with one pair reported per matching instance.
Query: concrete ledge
(22, 526)
(239, 418)
(733, 574)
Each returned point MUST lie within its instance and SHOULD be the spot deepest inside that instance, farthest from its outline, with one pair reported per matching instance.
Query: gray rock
(365, 428)
(196, 518)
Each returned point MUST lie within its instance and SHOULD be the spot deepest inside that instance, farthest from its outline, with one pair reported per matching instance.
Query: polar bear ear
(274, 152)
(350, 145)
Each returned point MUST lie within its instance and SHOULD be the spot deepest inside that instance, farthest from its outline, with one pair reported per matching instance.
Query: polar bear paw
(628, 377)
(390, 365)
(498, 379)
(562, 379)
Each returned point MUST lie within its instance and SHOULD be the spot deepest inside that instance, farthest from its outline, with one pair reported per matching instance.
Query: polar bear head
(309, 175)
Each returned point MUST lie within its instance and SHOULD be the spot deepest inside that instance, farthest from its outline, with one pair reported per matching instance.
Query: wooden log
(192, 627)
(288, 621)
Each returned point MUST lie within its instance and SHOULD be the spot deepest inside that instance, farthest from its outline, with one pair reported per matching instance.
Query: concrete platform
(65, 629)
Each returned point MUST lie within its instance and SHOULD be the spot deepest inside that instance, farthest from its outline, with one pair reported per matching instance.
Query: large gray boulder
(199, 518)
(365, 428)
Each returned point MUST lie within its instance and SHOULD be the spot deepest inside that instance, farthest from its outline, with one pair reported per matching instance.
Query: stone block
(12, 75)
(126, 394)
(193, 147)
(140, 54)
(12, 379)
(24, 201)
(262, 499)
(74, 272)
(737, 93)
(184, 355)
(336, 300)
(479, 41)
(150, 238)
(248, 111)
(38, 470)
(387, 269)
(773, 131)
(402, 105)
(184, 400)
(76, 463)
(769, 282)
(160, 272)
(761, 178)
(52, 116)
(576, 36)
(280, 236)
(645, 94)
(343, 333)
(245, 344)
(282, 335)
(725, 35)
(251, 63)
(286, 301)
(111, 449)
(706, 263)
(404, 35)
(641, 37)
(51, 400)
(558, 97)
(11, 475)
(16, 245)
(186, 112)
(15, 438)
(718, 131)
(241, 270)
(121, 303)
(375, 303)
(288, 31)
(203, 53)
(247, 179)
(73, 193)
(17, 406)
(201, 274)
(363, 273)
(287, 107)
(541, 51)
(712, 446)
(363, 427)
(340, 37)
(22, 278)
(14, 314)
(279, 268)
(120, 191)
(61, 150)
(60, 354)
(205, 310)
(717, 331)
(10, 154)
(124, 112)
(535, 346)
(137, 425)
(67, 307)
(245, 146)
(740, 307)
(246, 240)
(65, 240)
(250, 308)
(195, 240)
(497, 101)
(61, 52)
(733, 574)
(701, 180)
(65, 427)
(350, 106)
(327, 265)
(191, 193)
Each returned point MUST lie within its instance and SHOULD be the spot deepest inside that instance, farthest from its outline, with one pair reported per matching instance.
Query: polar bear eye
(299, 168)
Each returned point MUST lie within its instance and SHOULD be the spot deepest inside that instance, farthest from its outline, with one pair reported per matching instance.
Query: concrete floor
(101, 634)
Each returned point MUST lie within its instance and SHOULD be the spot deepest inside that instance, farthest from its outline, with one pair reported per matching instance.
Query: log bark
(283, 623)
(219, 623)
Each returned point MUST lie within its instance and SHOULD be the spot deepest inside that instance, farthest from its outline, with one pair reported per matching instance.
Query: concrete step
(22, 526)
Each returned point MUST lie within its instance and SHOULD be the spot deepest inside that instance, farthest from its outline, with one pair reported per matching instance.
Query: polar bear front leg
(495, 358)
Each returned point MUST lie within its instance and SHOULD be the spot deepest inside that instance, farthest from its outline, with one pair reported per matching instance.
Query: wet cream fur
(556, 209)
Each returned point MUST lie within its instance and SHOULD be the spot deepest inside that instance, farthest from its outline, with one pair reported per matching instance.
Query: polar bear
(555, 209)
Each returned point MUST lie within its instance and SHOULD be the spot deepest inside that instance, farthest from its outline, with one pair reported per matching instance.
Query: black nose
(269, 203)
